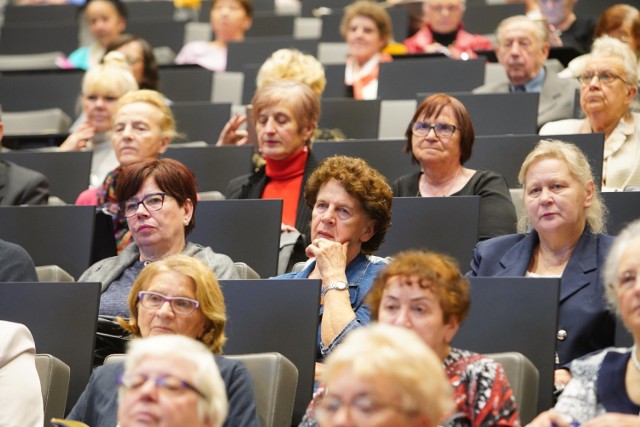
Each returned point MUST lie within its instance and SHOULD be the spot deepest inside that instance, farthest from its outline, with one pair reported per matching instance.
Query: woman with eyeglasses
(608, 86)
(440, 138)
(158, 199)
(173, 382)
(561, 235)
(178, 295)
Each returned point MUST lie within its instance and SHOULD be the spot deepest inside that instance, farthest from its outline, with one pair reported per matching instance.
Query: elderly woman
(620, 21)
(143, 127)
(351, 213)
(230, 19)
(186, 388)
(158, 198)
(425, 292)
(105, 20)
(440, 139)
(102, 86)
(176, 295)
(443, 32)
(608, 86)
(372, 377)
(285, 113)
(366, 27)
(605, 388)
(140, 57)
(561, 236)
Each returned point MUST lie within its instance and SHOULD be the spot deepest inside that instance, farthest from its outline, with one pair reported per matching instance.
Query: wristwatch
(338, 285)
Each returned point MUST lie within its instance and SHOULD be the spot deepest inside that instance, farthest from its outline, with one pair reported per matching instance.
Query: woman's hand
(79, 139)
(331, 258)
(231, 134)
(613, 419)
(287, 228)
(561, 377)
(551, 418)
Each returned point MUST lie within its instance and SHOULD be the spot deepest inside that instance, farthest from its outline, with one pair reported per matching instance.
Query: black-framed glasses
(165, 383)
(605, 77)
(442, 130)
(152, 202)
(180, 305)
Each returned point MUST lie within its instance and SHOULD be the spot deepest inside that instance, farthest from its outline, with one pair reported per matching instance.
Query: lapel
(582, 268)
(516, 260)
(4, 180)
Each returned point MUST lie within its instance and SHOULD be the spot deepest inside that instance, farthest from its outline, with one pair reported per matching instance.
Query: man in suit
(522, 51)
(19, 185)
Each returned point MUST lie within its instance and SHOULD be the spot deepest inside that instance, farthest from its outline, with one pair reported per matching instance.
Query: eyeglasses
(606, 78)
(180, 305)
(166, 383)
(442, 130)
(362, 409)
(152, 202)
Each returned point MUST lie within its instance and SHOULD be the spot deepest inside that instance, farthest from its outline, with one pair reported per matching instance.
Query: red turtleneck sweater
(285, 182)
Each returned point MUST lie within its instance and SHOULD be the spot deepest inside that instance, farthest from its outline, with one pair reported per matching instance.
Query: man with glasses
(443, 33)
(522, 51)
(608, 86)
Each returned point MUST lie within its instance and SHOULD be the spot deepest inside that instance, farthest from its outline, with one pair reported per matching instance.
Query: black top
(497, 212)
(579, 34)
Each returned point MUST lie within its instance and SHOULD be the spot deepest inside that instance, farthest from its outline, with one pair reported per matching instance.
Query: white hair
(205, 376)
(606, 46)
(628, 234)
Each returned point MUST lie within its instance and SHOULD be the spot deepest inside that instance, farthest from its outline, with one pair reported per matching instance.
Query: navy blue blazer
(583, 312)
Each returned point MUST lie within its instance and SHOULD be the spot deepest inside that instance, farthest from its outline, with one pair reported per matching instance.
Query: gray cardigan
(109, 269)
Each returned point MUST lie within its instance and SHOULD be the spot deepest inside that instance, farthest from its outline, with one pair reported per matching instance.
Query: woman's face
(104, 21)
(611, 99)
(363, 402)
(137, 133)
(627, 289)
(363, 39)
(433, 149)
(161, 231)
(405, 303)
(444, 16)
(135, 58)
(339, 217)
(164, 320)
(279, 134)
(229, 20)
(152, 405)
(98, 106)
(553, 198)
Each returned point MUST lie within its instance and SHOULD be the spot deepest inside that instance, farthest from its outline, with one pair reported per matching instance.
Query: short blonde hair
(112, 79)
(155, 99)
(207, 290)
(579, 168)
(291, 64)
(213, 405)
(400, 358)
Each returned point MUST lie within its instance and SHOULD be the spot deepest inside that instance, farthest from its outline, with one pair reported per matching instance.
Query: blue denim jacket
(360, 275)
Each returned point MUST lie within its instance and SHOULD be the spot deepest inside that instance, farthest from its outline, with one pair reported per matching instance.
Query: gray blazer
(557, 98)
(22, 186)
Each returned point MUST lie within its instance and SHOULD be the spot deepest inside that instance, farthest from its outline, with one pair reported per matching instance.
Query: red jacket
(465, 42)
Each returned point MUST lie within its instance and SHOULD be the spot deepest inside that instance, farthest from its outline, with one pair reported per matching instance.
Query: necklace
(634, 358)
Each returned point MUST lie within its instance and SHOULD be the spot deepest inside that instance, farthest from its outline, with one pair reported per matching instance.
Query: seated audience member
(285, 114)
(158, 198)
(383, 376)
(620, 21)
(20, 391)
(560, 236)
(351, 213)
(19, 185)
(139, 56)
(105, 19)
(230, 19)
(17, 265)
(443, 32)
(608, 86)
(366, 27)
(522, 51)
(176, 295)
(425, 292)
(143, 126)
(102, 86)
(565, 28)
(186, 387)
(440, 139)
(605, 388)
